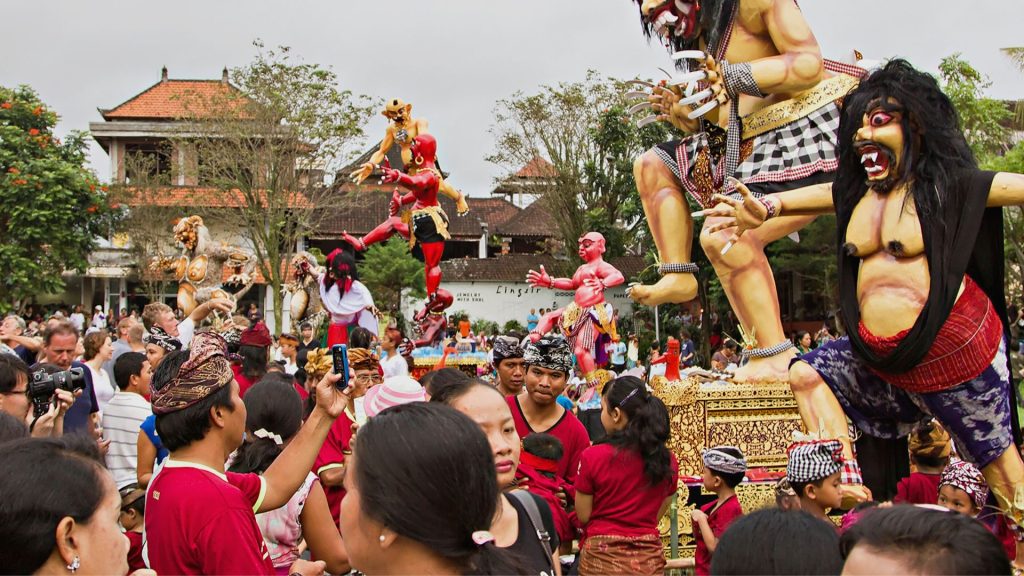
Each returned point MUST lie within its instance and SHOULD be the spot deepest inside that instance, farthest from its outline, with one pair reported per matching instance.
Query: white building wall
(504, 301)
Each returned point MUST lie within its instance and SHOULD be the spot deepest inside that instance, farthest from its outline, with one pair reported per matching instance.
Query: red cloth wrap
(538, 463)
(963, 348)
(336, 334)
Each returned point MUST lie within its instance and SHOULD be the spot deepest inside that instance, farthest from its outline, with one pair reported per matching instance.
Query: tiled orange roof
(167, 99)
(536, 168)
(205, 197)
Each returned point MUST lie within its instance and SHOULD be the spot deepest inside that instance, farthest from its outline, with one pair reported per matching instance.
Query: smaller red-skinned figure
(670, 359)
(588, 315)
(426, 226)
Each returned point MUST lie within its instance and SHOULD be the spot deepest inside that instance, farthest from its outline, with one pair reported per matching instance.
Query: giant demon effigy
(921, 276)
(757, 102)
(199, 269)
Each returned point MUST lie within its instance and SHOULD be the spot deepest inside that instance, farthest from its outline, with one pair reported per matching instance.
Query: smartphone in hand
(339, 355)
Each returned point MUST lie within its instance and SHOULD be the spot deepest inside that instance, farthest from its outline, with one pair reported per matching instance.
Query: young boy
(132, 518)
(724, 468)
(929, 451)
(963, 489)
(814, 470)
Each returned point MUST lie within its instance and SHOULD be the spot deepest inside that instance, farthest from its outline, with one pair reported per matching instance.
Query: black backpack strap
(530, 505)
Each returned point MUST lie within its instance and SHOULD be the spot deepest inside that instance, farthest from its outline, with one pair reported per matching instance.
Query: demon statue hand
(588, 315)
(762, 108)
(402, 130)
(200, 266)
(429, 223)
(920, 280)
(305, 305)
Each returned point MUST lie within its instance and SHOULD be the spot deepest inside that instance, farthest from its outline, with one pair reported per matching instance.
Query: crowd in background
(204, 444)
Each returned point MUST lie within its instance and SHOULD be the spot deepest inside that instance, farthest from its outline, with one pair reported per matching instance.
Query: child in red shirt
(929, 452)
(724, 468)
(133, 510)
(625, 483)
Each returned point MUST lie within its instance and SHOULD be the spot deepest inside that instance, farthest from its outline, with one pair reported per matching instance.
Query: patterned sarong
(641, 555)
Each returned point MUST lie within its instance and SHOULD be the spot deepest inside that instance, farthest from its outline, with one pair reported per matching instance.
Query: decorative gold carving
(759, 418)
(782, 113)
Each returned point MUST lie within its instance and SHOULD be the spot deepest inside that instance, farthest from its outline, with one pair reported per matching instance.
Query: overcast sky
(453, 59)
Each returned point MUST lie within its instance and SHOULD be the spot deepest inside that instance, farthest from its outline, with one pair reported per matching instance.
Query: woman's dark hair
(800, 336)
(731, 479)
(436, 380)
(928, 541)
(426, 471)
(254, 361)
(273, 405)
(448, 391)
(764, 542)
(11, 428)
(188, 425)
(44, 480)
(647, 430)
(360, 337)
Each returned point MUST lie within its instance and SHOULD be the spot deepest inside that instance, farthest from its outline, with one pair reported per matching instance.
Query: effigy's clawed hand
(743, 214)
(709, 77)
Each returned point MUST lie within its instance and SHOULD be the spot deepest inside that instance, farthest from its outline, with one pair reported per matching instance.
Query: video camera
(43, 386)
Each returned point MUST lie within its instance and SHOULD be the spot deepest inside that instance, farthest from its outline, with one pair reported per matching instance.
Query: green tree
(271, 145)
(985, 122)
(387, 269)
(982, 119)
(582, 128)
(53, 208)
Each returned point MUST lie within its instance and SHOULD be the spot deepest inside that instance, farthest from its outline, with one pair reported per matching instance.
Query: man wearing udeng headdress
(765, 81)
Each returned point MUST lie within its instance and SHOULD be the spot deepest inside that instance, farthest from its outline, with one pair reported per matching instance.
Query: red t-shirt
(918, 488)
(625, 503)
(332, 455)
(568, 429)
(202, 521)
(135, 561)
(718, 519)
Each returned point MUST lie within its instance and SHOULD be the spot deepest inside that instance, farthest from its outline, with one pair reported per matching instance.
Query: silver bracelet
(687, 268)
(769, 351)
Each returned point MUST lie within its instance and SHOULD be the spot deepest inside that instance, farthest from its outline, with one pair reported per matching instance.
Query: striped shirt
(121, 420)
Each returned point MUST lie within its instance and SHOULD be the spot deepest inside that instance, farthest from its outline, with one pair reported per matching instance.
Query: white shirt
(78, 319)
(121, 420)
(102, 386)
(394, 365)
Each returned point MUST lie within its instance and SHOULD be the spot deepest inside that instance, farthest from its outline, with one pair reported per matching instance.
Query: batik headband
(505, 347)
(159, 337)
(551, 352)
(720, 461)
(205, 372)
(362, 359)
(967, 477)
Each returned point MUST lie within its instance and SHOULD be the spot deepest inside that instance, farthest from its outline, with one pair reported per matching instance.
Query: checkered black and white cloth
(791, 152)
(813, 461)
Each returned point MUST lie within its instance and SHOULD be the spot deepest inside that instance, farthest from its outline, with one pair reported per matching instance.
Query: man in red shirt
(199, 518)
(548, 363)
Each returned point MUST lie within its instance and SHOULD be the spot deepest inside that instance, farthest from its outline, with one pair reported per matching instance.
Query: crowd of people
(166, 445)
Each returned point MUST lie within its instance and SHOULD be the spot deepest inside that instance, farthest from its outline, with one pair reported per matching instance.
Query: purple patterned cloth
(976, 413)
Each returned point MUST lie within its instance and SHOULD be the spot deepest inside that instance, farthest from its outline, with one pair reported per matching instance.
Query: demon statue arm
(306, 305)
(589, 315)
